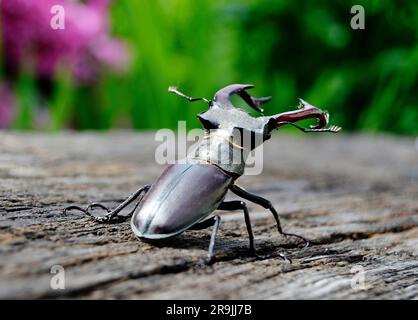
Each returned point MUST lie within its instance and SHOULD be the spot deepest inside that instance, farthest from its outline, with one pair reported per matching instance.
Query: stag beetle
(185, 194)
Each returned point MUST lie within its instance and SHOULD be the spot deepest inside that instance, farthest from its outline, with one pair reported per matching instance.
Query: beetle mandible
(186, 194)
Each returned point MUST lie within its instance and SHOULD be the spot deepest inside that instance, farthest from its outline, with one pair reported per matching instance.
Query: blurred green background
(366, 79)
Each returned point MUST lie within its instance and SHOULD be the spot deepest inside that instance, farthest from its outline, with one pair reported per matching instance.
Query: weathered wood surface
(356, 197)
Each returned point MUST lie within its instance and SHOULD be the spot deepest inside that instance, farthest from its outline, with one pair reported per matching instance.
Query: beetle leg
(237, 205)
(112, 214)
(267, 205)
(214, 221)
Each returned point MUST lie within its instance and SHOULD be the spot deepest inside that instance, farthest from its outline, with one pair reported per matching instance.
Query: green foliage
(366, 79)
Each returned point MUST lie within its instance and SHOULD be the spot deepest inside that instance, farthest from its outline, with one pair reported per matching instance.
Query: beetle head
(222, 114)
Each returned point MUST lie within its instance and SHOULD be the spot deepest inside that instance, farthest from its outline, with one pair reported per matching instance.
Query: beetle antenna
(174, 90)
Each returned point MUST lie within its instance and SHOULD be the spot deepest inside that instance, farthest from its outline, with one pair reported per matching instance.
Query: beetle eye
(207, 124)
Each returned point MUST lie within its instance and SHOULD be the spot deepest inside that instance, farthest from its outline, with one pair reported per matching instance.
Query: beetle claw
(99, 205)
(101, 219)
(64, 212)
(268, 256)
(285, 258)
(258, 256)
(306, 241)
(208, 260)
(204, 263)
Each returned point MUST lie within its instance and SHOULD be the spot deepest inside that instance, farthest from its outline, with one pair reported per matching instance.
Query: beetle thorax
(231, 134)
(224, 148)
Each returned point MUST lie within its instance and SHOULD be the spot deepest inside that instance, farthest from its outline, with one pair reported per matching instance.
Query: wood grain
(356, 197)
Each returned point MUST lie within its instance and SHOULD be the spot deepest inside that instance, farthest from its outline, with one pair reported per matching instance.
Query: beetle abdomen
(183, 195)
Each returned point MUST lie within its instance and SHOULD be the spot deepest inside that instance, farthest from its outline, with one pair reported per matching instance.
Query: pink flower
(85, 44)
